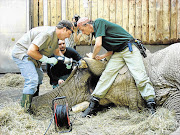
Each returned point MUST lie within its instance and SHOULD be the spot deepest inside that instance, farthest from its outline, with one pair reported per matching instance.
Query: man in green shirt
(121, 46)
(33, 48)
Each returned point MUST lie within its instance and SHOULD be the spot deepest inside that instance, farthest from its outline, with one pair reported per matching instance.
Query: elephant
(162, 67)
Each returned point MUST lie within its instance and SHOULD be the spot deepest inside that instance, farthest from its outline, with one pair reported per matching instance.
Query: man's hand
(52, 60)
(60, 81)
(99, 57)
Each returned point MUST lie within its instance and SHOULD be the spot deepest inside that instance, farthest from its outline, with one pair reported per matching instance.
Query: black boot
(37, 91)
(93, 106)
(151, 105)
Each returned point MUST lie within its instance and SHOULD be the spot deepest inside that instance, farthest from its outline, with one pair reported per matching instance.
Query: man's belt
(138, 44)
(141, 47)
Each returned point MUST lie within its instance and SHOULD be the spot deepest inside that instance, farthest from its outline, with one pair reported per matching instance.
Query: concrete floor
(83, 49)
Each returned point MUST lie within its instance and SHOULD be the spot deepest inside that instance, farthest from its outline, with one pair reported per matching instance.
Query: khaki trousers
(135, 64)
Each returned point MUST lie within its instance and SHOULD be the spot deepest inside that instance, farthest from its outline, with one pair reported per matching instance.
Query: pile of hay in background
(114, 121)
(16, 81)
(11, 80)
(85, 40)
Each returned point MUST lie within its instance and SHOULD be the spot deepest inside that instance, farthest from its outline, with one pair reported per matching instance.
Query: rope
(50, 123)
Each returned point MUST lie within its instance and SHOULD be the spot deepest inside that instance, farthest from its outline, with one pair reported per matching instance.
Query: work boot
(151, 105)
(93, 106)
(37, 91)
(26, 103)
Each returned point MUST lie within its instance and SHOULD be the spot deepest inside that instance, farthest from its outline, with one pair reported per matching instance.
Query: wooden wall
(152, 21)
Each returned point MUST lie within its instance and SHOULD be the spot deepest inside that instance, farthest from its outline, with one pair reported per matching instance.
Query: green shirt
(113, 35)
(44, 37)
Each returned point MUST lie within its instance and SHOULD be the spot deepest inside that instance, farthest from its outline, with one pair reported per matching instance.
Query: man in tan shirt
(33, 48)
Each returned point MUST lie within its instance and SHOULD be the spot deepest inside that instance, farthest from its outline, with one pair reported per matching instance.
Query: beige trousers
(135, 64)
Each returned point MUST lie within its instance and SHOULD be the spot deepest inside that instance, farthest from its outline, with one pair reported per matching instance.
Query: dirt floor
(110, 121)
(13, 91)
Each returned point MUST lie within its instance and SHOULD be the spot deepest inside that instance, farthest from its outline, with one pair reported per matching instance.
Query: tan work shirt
(44, 37)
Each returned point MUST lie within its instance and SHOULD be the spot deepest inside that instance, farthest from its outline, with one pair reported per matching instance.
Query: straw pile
(16, 81)
(11, 80)
(113, 121)
(14, 121)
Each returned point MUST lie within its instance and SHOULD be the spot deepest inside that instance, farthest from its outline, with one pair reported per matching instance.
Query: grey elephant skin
(163, 68)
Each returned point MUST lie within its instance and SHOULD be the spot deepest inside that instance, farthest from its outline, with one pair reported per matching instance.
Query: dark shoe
(26, 103)
(93, 106)
(151, 105)
(37, 91)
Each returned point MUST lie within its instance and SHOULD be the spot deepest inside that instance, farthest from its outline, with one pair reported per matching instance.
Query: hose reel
(61, 115)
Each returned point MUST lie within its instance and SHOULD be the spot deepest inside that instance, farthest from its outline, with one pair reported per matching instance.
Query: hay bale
(11, 80)
(14, 121)
(112, 121)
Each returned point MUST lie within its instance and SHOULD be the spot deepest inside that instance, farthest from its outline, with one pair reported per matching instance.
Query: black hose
(60, 116)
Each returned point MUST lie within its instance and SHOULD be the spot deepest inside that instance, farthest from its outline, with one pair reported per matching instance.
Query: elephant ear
(95, 66)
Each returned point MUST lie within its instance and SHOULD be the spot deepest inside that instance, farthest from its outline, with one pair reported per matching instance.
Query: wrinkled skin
(162, 68)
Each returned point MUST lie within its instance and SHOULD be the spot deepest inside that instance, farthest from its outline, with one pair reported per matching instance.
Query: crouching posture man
(120, 44)
(31, 50)
(60, 72)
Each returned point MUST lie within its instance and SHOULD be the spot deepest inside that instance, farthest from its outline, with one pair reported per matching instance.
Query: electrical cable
(50, 123)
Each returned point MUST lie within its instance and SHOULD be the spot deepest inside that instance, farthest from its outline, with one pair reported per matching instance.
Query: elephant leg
(173, 102)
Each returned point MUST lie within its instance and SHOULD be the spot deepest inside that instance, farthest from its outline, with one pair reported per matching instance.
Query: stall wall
(152, 21)
(13, 25)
